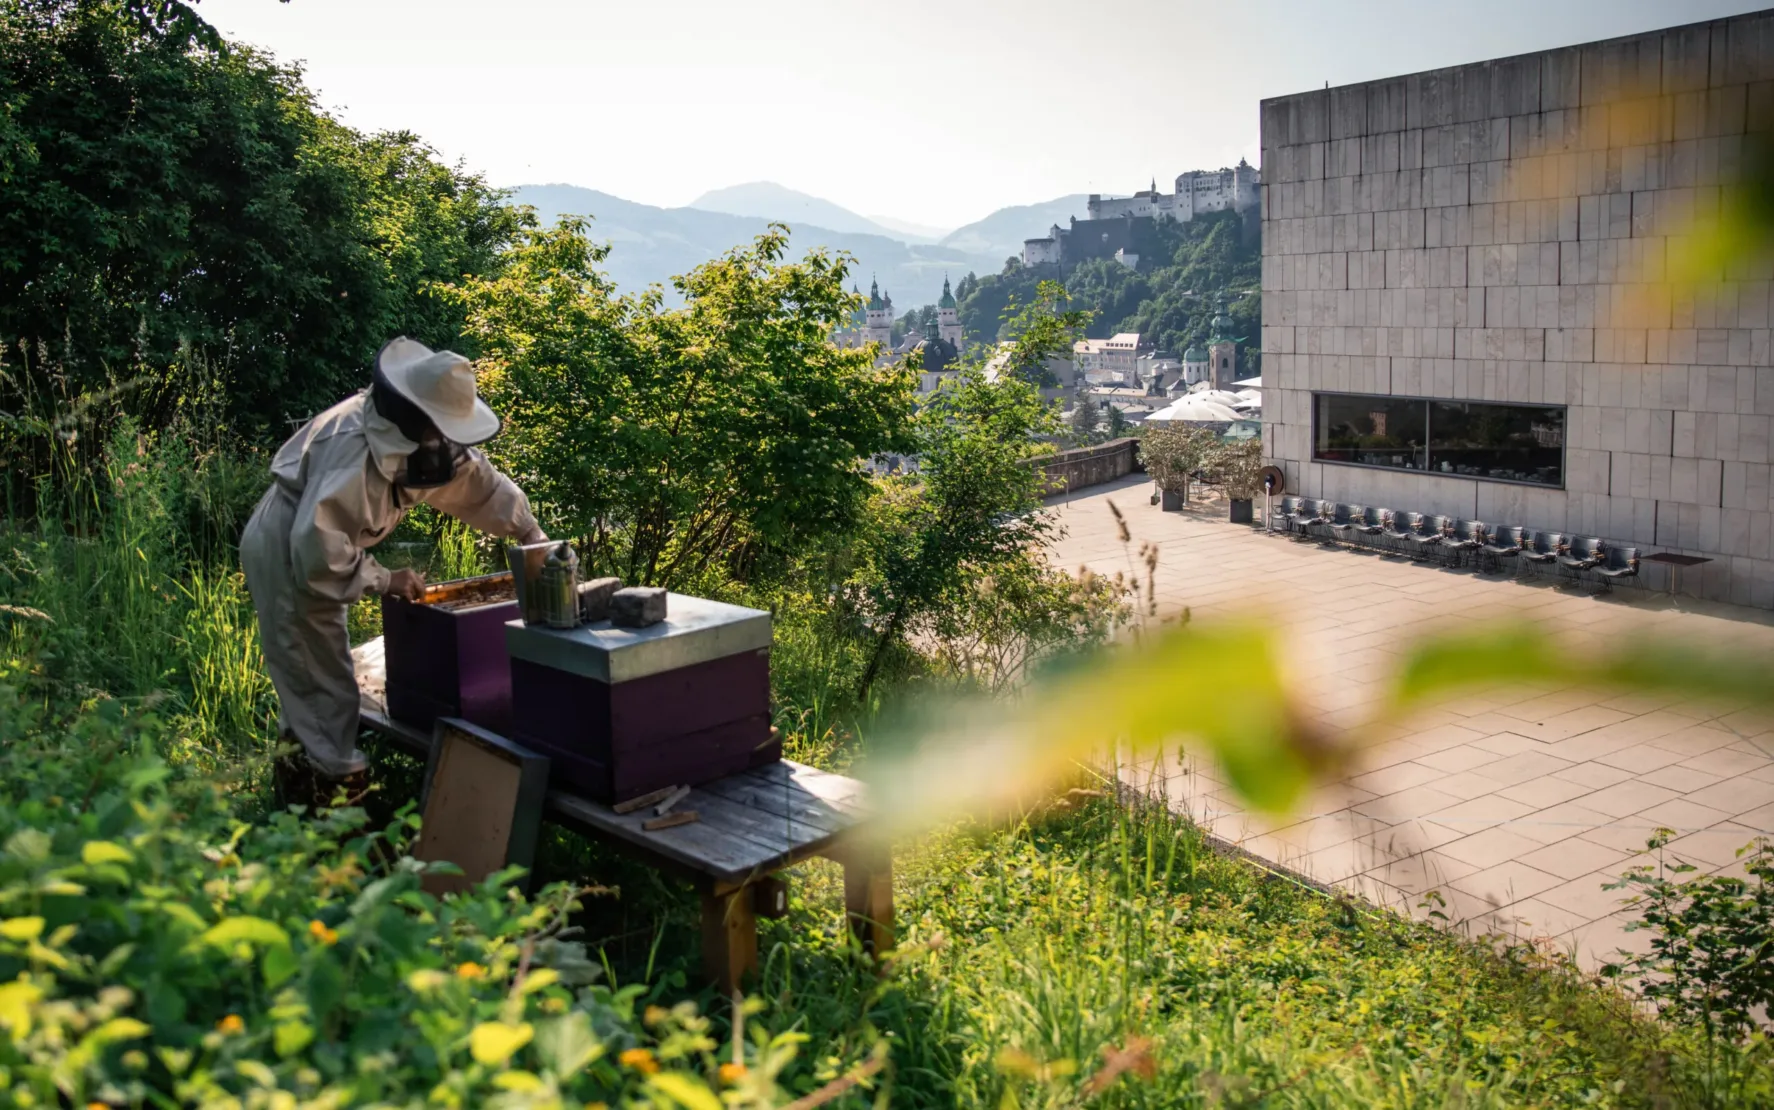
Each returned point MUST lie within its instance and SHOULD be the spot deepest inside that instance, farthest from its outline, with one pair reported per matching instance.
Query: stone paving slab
(1505, 811)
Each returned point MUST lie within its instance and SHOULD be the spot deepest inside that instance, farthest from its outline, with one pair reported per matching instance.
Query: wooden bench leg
(868, 896)
(729, 938)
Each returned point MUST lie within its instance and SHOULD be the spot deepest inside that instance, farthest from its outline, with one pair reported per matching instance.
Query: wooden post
(868, 896)
(729, 938)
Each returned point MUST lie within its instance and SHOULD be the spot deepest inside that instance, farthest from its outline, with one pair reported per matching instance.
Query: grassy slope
(1027, 951)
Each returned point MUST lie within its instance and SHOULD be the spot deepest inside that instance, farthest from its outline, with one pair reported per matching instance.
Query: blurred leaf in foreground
(1217, 688)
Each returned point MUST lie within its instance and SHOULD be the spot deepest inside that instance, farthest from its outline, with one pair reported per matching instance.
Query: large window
(1506, 443)
(1372, 431)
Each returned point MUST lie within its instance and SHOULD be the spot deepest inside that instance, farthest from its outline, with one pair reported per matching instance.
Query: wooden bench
(751, 825)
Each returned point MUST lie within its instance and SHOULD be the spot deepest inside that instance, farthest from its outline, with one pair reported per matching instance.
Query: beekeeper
(340, 485)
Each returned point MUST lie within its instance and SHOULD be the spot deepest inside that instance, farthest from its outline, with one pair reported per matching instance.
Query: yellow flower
(319, 931)
(732, 1073)
(639, 1059)
(231, 1024)
(470, 970)
(655, 1015)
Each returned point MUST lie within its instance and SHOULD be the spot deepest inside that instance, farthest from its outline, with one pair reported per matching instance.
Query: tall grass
(1099, 954)
(131, 564)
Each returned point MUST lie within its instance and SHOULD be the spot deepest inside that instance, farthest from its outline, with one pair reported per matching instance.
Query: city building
(1194, 365)
(1111, 360)
(938, 358)
(1156, 370)
(948, 318)
(1468, 307)
(878, 325)
(1222, 350)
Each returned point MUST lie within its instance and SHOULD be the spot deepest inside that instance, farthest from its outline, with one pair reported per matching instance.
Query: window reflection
(1371, 431)
(1510, 443)
(1516, 443)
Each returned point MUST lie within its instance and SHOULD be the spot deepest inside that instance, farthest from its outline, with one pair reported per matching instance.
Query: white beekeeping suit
(340, 486)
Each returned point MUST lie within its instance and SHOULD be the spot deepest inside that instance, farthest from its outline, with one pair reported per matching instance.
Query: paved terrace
(1516, 805)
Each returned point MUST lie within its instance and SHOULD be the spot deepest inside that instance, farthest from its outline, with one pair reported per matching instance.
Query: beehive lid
(695, 630)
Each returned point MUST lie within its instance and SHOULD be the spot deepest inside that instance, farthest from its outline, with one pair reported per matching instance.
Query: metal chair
(1285, 512)
(1428, 533)
(1372, 523)
(1313, 514)
(1464, 537)
(1620, 563)
(1343, 520)
(1401, 527)
(1581, 554)
(1501, 543)
(1542, 548)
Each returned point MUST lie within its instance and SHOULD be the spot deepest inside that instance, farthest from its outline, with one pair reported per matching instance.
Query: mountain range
(651, 244)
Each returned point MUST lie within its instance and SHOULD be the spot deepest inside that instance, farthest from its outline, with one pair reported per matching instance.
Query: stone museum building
(1486, 295)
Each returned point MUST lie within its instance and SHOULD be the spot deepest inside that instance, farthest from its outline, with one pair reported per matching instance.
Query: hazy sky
(934, 111)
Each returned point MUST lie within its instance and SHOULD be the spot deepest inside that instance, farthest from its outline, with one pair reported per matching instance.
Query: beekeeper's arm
(333, 512)
(482, 498)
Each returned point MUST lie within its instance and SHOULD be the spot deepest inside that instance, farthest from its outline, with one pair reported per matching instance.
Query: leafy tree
(1038, 330)
(1174, 451)
(169, 200)
(1238, 468)
(1085, 418)
(972, 506)
(677, 441)
(1118, 425)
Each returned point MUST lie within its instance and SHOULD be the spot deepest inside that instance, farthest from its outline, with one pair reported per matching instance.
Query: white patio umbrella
(1194, 409)
(1218, 396)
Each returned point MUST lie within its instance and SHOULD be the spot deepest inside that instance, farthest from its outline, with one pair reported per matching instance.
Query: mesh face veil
(435, 460)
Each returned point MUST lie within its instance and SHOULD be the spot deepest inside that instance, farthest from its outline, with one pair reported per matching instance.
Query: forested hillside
(1170, 297)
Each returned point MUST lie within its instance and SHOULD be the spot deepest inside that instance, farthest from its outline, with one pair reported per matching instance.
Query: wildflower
(318, 930)
(231, 1024)
(732, 1073)
(426, 979)
(655, 1015)
(639, 1059)
(470, 970)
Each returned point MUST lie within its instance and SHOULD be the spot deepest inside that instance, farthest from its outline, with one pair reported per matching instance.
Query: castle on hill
(1110, 232)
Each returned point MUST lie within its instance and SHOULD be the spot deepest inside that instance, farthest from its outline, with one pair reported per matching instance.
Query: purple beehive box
(624, 711)
(446, 654)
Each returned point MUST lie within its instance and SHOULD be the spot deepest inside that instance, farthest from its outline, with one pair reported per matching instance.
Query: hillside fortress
(1107, 232)
(1197, 191)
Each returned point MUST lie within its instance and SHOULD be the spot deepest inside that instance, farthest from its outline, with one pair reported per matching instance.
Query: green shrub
(156, 950)
(1712, 938)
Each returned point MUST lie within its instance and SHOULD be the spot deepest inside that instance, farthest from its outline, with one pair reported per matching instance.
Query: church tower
(1222, 350)
(948, 317)
(878, 325)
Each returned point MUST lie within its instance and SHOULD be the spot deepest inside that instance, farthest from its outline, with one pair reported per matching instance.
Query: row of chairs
(1457, 541)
